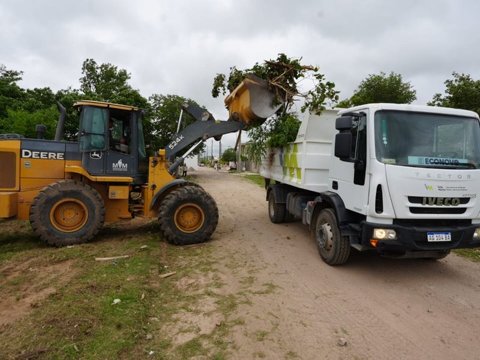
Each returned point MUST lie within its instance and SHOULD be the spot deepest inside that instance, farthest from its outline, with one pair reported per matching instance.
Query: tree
(275, 132)
(229, 155)
(23, 122)
(460, 92)
(382, 88)
(105, 82)
(67, 98)
(10, 93)
(163, 114)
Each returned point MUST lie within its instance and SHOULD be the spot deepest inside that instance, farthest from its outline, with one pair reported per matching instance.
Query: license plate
(439, 236)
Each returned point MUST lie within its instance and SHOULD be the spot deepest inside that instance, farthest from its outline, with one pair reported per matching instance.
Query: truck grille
(422, 208)
(7, 170)
(419, 200)
(431, 210)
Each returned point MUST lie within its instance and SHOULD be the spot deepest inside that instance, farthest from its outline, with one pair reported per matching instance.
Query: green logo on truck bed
(290, 163)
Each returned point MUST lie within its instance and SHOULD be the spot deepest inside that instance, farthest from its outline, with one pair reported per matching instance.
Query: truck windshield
(427, 140)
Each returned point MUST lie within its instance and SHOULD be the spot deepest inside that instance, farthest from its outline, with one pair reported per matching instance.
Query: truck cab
(398, 179)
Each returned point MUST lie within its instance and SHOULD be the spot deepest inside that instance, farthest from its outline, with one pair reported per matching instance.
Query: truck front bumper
(414, 237)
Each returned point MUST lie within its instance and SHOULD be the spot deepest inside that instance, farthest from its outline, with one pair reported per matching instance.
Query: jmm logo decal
(119, 166)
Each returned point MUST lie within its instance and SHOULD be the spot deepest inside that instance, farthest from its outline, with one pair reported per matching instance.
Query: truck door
(349, 175)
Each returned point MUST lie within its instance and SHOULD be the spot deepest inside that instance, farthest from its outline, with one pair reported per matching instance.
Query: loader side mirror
(343, 145)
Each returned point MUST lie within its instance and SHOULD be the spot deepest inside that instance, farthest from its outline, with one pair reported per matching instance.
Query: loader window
(93, 122)
(119, 131)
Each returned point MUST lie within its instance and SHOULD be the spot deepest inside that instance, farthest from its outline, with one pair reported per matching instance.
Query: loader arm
(249, 104)
(205, 127)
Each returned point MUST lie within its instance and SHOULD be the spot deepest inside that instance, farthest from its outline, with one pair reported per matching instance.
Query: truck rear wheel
(66, 213)
(188, 215)
(276, 211)
(333, 248)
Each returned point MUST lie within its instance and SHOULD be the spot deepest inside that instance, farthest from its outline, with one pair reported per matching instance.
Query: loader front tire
(188, 215)
(67, 213)
(333, 248)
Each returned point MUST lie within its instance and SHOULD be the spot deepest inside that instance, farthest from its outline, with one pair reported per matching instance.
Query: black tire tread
(182, 195)
(279, 210)
(341, 247)
(44, 229)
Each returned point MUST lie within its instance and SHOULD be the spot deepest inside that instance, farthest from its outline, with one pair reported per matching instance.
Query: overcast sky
(177, 46)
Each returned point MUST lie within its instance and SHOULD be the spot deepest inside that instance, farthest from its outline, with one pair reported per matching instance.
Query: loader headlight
(476, 234)
(385, 234)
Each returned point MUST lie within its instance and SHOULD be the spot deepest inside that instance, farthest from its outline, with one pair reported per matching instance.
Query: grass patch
(80, 319)
(472, 254)
(255, 178)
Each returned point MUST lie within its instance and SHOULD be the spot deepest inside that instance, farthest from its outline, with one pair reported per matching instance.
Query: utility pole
(219, 149)
(238, 146)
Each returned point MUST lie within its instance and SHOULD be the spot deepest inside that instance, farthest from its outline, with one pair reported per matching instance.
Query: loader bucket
(251, 102)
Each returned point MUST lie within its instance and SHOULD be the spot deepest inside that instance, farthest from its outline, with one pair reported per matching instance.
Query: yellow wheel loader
(68, 190)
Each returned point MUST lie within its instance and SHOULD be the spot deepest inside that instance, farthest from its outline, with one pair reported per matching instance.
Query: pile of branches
(283, 75)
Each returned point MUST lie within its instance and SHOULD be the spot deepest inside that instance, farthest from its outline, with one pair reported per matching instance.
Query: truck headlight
(476, 234)
(386, 234)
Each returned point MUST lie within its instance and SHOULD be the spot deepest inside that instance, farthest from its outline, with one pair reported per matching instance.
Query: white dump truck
(399, 179)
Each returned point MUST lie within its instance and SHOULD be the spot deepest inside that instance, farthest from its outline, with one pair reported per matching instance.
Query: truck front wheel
(333, 248)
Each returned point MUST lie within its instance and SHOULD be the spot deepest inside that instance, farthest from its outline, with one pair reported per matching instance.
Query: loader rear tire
(67, 213)
(276, 211)
(188, 215)
(333, 248)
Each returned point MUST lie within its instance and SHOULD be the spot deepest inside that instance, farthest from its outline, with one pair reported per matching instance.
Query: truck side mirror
(344, 123)
(343, 145)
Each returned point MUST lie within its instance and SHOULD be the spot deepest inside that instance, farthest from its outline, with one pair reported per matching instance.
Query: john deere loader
(68, 190)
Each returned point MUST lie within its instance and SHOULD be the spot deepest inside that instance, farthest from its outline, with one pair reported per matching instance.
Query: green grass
(79, 320)
(255, 178)
(472, 254)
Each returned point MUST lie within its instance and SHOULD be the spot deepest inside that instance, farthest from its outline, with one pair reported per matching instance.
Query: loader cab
(111, 140)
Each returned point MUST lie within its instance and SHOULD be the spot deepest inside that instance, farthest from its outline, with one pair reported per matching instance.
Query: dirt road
(296, 306)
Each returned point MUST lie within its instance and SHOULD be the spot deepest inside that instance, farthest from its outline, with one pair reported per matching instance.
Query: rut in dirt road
(370, 308)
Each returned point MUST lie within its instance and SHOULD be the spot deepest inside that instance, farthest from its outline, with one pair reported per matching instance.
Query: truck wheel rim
(69, 215)
(189, 218)
(325, 237)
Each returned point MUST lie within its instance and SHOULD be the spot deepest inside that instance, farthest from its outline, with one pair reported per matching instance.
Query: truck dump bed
(304, 163)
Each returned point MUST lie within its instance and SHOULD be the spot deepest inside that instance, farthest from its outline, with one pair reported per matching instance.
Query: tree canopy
(163, 114)
(460, 92)
(21, 109)
(229, 155)
(378, 88)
